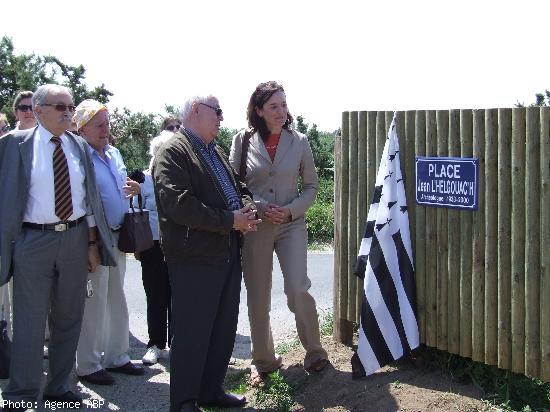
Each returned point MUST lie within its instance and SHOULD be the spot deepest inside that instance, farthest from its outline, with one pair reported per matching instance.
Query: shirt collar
(106, 150)
(198, 142)
(44, 135)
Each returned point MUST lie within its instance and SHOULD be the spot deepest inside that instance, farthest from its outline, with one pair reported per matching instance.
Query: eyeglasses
(5, 128)
(218, 110)
(60, 107)
(173, 127)
(24, 108)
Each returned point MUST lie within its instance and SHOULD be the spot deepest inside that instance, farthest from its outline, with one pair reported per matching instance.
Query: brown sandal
(257, 378)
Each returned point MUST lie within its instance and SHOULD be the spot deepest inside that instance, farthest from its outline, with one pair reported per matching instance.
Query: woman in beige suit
(276, 158)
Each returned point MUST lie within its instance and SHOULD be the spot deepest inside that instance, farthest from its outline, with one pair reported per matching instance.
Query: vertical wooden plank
(362, 204)
(545, 240)
(372, 161)
(478, 244)
(454, 245)
(504, 233)
(491, 230)
(346, 326)
(532, 244)
(431, 243)
(380, 136)
(336, 293)
(441, 245)
(420, 235)
(409, 175)
(518, 241)
(466, 217)
(352, 216)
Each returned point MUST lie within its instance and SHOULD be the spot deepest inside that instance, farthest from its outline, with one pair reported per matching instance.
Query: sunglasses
(173, 127)
(5, 128)
(24, 108)
(60, 107)
(218, 110)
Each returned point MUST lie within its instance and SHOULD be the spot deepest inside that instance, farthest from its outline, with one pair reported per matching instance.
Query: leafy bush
(320, 222)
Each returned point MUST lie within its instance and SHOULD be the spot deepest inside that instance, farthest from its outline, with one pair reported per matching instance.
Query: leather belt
(58, 227)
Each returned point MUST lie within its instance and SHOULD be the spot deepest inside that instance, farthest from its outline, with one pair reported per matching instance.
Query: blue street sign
(447, 182)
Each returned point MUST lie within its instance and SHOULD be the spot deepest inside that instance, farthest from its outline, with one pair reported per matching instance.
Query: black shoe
(70, 399)
(190, 407)
(224, 400)
(101, 377)
(128, 368)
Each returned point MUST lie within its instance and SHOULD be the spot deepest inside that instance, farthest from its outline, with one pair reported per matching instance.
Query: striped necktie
(61, 182)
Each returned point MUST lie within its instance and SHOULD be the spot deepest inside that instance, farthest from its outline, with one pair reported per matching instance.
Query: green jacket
(194, 220)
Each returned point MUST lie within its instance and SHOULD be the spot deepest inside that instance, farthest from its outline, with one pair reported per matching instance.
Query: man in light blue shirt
(105, 327)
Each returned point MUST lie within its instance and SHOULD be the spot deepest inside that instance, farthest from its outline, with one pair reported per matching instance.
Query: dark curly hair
(261, 95)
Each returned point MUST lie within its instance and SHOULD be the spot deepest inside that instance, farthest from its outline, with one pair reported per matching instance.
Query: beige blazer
(277, 182)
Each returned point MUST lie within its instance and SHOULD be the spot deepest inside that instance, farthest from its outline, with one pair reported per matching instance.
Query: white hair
(39, 96)
(188, 105)
(157, 142)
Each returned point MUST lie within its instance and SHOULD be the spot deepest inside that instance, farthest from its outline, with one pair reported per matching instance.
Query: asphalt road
(320, 271)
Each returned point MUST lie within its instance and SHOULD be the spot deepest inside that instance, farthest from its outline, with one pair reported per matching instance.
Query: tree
(27, 72)
(541, 99)
(133, 133)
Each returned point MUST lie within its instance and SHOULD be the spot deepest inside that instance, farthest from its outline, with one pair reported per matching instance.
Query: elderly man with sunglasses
(51, 224)
(203, 210)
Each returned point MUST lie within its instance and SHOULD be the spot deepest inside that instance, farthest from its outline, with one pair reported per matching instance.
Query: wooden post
(491, 226)
(352, 217)
(408, 162)
(518, 241)
(441, 244)
(453, 234)
(362, 203)
(336, 293)
(346, 325)
(420, 236)
(380, 136)
(504, 234)
(545, 240)
(478, 244)
(532, 243)
(466, 217)
(431, 243)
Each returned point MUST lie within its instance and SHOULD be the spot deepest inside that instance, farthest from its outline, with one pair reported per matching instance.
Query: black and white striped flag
(389, 327)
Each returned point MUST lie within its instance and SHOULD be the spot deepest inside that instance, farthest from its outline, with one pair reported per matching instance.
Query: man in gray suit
(52, 231)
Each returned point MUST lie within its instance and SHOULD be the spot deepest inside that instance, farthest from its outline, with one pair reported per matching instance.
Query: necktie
(61, 182)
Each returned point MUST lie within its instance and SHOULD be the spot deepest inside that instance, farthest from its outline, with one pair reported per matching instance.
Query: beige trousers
(289, 241)
(105, 325)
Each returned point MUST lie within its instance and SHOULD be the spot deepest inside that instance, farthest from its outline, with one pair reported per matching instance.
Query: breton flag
(389, 327)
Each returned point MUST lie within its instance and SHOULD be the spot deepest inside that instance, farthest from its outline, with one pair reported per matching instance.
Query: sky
(330, 56)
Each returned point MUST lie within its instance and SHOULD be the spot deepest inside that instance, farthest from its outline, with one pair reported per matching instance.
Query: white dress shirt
(41, 202)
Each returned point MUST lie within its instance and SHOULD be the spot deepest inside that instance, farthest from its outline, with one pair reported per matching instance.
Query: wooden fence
(483, 277)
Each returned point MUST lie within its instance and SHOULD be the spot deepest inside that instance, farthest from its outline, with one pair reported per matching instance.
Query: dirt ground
(402, 387)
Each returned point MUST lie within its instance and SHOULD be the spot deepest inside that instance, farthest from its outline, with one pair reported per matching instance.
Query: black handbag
(135, 233)
(5, 348)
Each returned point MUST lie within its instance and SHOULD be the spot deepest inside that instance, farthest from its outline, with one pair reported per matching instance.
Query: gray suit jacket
(16, 155)
(277, 181)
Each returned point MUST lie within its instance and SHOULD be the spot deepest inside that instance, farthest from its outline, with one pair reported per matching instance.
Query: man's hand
(131, 188)
(245, 219)
(93, 258)
(277, 214)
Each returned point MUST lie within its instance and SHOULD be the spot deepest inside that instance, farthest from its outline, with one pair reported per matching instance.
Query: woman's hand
(277, 214)
(131, 188)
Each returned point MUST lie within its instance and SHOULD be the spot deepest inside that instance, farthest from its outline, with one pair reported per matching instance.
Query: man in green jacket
(203, 212)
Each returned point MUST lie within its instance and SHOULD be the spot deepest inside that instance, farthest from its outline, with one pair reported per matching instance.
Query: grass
(507, 390)
(319, 246)
(276, 395)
